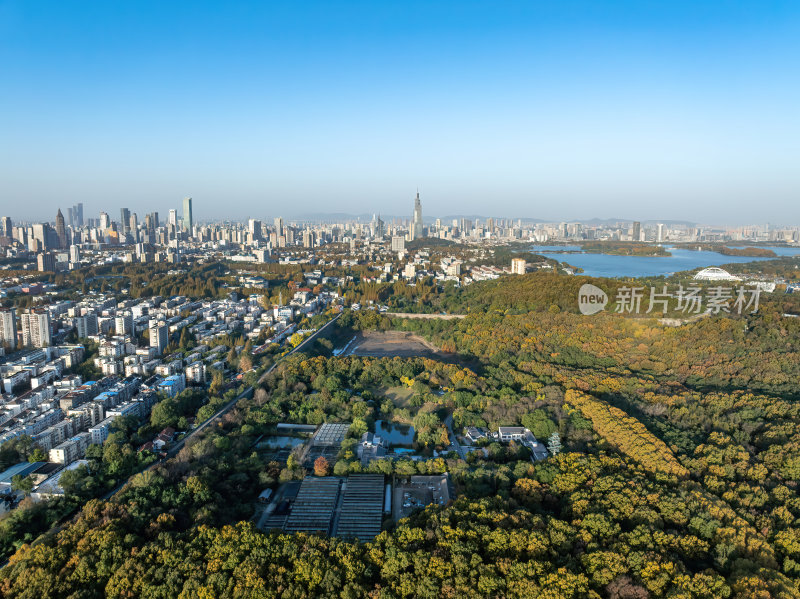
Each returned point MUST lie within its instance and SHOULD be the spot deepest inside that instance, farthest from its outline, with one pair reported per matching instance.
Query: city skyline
(559, 113)
(185, 207)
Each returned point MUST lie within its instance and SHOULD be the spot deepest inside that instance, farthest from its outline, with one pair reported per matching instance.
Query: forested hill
(543, 290)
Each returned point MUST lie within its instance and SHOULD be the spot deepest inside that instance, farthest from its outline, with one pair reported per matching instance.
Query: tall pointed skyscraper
(416, 222)
(61, 230)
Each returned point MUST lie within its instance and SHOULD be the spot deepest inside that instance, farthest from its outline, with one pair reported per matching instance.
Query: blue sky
(553, 110)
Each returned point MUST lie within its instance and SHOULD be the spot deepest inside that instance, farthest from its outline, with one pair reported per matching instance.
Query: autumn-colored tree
(245, 361)
(321, 466)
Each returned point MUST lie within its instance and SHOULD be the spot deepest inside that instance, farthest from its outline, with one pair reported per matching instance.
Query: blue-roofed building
(23, 469)
(109, 399)
(172, 385)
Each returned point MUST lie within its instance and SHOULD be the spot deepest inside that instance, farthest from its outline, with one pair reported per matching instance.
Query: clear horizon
(522, 110)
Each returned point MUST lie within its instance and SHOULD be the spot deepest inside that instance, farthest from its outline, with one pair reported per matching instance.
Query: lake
(396, 434)
(605, 265)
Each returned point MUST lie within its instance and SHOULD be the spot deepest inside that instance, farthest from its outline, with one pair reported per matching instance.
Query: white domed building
(714, 273)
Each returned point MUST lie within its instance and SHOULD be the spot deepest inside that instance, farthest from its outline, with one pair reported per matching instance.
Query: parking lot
(408, 497)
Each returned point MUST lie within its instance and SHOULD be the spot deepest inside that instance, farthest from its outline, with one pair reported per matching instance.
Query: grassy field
(400, 396)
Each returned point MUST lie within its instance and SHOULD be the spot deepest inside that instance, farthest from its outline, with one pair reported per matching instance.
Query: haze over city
(562, 112)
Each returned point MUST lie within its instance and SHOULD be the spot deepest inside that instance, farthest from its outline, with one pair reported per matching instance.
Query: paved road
(424, 316)
(454, 444)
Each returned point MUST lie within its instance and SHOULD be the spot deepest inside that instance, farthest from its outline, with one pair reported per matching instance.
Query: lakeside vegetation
(624, 248)
(747, 251)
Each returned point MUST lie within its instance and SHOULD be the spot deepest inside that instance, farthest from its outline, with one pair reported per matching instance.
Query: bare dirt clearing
(387, 344)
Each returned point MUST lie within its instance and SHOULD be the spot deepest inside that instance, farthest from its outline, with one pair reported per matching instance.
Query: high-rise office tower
(637, 230)
(159, 336)
(134, 227)
(172, 218)
(6, 226)
(188, 219)
(105, 221)
(125, 219)
(416, 223)
(74, 254)
(77, 214)
(377, 227)
(254, 228)
(39, 236)
(36, 328)
(8, 328)
(278, 226)
(61, 230)
(660, 233)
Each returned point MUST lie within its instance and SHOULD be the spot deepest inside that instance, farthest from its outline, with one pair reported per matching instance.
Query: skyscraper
(105, 221)
(125, 219)
(134, 227)
(36, 328)
(8, 328)
(416, 223)
(254, 227)
(79, 214)
(172, 217)
(188, 222)
(278, 226)
(5, 226)
(660, 233)
(637, 230)
(377, 227)
(40, 236)
(46, 262)
(61, 230)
